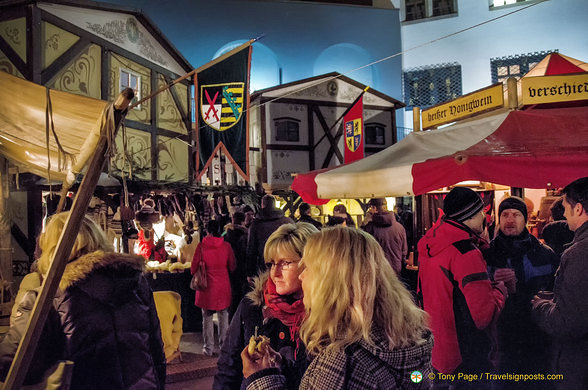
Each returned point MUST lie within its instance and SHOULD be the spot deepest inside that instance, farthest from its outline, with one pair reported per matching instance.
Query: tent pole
(25, 351)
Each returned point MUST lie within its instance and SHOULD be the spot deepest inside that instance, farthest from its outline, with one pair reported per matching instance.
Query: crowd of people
(508, 310)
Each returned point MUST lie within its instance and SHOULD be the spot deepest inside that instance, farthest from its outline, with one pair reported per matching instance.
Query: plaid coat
(359, 367)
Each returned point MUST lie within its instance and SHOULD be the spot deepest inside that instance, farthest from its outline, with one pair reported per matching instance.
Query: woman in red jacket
(219, 259)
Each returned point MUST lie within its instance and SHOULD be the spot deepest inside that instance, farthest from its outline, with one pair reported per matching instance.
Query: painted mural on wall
(172, 160)
(138, 154)
(55, 42)
(168, 114)
(283, 163)
(7, 66)
(82, 76)
(127, 32)
(14, 33)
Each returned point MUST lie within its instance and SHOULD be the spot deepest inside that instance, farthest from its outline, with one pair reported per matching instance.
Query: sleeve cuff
(263, 374)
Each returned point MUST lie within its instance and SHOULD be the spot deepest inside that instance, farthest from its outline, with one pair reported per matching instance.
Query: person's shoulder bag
(199, 280)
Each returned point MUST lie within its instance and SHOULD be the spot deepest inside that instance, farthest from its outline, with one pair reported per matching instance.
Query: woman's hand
(253, 364)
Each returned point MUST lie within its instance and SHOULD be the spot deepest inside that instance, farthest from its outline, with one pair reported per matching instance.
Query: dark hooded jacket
(249, 315)
(104, 320)
(310, 220)
(391, 236)
(267, 221)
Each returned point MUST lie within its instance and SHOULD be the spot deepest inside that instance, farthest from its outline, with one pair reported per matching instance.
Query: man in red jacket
(455, 287)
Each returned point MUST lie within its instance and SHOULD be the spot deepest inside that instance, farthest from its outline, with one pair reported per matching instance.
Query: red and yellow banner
(353, 130)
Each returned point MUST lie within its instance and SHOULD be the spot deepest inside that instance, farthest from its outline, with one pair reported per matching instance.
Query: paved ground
(191, 342)
(194, 384)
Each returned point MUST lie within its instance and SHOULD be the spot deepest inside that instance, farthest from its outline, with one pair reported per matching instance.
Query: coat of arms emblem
(221, 105)
(353, 134)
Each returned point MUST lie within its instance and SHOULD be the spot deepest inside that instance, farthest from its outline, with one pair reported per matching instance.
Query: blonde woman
(275, 307)
(362, 329)
(103, 316)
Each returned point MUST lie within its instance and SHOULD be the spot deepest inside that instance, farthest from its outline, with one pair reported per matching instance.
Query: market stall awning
(535, 148)
(23, 130)
(556, 63)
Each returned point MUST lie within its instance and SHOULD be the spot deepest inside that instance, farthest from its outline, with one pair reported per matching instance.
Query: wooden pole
(26, 349)
(195, 71)
(5, 223)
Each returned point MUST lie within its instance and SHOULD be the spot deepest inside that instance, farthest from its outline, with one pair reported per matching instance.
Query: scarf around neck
(289, 309)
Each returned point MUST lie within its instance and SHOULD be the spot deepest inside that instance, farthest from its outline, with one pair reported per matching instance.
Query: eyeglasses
(283, 265)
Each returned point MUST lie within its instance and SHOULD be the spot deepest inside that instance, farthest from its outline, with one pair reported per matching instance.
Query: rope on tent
(50, 125)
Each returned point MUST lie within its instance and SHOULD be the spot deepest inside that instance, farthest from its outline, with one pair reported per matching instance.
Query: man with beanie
(565, 316)
(389, 233)
(456, 291)
(526, 266)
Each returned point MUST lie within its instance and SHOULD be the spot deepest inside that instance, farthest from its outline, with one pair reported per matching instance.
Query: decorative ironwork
(515, 66)
(430, 85)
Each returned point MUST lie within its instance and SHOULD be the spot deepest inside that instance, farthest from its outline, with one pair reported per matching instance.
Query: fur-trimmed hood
(256, 294)
(104, 276)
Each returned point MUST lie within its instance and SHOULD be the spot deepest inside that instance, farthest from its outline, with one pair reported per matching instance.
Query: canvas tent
(25, 139)
(535, 148)
(543, 146)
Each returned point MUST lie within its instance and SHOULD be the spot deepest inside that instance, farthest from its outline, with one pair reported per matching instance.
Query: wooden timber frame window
(423, 9)
(375, 134)
(129, 79)
(287, 129)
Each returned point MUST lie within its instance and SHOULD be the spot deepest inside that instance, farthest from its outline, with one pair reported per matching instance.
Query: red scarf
(279, 306)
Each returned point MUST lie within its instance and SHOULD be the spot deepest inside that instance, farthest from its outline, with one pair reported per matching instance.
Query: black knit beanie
(513, 202)
(462, 203)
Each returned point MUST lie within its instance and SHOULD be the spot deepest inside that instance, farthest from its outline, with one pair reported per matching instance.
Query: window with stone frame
(431, 85)
(516, 66)
(422, 9)
(375, 134)
(287, 129)
(129, 79)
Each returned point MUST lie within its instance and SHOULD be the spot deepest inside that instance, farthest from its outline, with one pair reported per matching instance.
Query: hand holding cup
(506, 275)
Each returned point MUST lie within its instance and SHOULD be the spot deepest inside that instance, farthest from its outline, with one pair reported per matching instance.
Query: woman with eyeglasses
(362, 329)
(274, 308)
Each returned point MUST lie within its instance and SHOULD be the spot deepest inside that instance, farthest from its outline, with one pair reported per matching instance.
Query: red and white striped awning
(535, 148)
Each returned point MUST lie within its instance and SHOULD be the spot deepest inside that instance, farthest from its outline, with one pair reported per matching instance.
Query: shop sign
(552, 89)
(483, 100)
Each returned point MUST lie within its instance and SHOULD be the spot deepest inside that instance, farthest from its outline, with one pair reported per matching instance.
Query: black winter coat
(266, 222)
(249, 316)
(522, 346)
(310, 220)
(104, 320)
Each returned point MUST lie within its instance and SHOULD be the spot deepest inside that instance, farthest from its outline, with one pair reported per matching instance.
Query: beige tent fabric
(77, 121)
